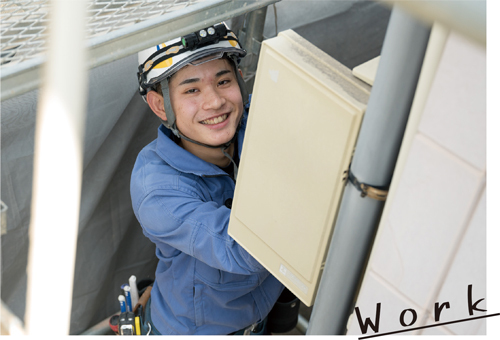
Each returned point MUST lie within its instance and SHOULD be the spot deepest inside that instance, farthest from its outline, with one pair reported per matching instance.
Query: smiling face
(206, 100)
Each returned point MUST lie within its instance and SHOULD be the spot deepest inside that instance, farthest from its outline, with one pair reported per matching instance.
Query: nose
(213, 100)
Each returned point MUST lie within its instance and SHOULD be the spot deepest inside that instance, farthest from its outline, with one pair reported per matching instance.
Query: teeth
(215, 120)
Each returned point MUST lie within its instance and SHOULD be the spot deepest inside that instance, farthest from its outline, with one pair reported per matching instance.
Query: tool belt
(285, 313)
(132, 323)
(259, 328)
(282, 318)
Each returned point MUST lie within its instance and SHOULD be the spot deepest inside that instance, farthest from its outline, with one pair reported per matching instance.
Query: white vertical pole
(57, 171)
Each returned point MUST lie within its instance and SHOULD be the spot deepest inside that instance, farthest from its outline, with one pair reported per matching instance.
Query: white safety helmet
(157, 64)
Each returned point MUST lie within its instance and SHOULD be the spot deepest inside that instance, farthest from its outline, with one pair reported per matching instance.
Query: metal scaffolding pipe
(373, 163)
(57, 173)
(128, 40)
(253, 36)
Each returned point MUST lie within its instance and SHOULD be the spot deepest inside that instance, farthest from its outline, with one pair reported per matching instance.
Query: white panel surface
(430, 209)
(455, 113)
(304, 119)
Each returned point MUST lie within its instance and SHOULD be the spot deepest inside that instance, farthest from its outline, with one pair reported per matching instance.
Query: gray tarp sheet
(111, 246)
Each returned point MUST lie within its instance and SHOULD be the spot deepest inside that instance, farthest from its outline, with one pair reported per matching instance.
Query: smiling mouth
(215, 120)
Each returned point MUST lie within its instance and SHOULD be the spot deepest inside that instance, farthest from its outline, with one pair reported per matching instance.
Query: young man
(182, 186)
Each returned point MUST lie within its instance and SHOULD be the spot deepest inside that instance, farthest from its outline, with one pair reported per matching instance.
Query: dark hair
(157, 89)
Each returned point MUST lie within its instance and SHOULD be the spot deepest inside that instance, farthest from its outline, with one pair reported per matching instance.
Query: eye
(224, 82)
(191, 91)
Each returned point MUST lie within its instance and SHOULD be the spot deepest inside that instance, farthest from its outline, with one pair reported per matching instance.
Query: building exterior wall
(431, 242)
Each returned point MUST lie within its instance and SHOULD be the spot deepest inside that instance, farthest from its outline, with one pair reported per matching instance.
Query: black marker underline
(429, 326)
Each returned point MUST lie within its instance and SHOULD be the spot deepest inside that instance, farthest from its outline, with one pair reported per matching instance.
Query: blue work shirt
(206, 283)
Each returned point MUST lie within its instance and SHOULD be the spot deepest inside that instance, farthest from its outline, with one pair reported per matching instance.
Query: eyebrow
(189, 81)
(194, 80)
(221, 73)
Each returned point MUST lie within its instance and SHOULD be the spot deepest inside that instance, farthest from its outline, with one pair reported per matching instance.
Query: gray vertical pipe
(373, 163)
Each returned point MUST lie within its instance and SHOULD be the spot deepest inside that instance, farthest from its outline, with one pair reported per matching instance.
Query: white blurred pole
(466, 16)
(57, 172)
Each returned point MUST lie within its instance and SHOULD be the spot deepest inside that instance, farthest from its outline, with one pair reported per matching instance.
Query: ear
(155, 101)
(241, 72)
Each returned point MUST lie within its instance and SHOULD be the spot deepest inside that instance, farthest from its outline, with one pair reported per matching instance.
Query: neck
(214, 156)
